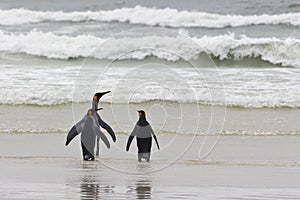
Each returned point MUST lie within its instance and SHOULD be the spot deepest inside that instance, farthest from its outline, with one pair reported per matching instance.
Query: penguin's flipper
(129, 142)
(75, 130)
(102, 136)
(107, 128)
(156, 141)
(133, 133)
(72, 133)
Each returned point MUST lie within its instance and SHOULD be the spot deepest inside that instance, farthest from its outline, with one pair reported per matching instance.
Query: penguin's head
(98, 95)
(141, 113)
(142, 118)
(92, 111)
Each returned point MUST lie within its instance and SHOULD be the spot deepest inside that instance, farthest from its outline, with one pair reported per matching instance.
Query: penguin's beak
(102, 93)
(105, 92)
(99, 109)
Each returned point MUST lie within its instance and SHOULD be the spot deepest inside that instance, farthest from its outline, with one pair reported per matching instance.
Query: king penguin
(102, 123)
(89, 127)
(143, 132)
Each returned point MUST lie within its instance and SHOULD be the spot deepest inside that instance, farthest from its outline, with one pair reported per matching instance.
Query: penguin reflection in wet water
(143, 132)
(89, 127)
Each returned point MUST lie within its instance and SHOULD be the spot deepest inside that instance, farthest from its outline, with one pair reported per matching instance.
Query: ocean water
(238, 55)
(254, 47)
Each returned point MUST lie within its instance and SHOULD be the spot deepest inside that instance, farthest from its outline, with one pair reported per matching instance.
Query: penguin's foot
(144, 156)
(87, 158)
(143, 159)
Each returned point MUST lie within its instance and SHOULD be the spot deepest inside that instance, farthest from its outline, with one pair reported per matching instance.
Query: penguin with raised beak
(143, 132)
(89, 127)
(102, 123)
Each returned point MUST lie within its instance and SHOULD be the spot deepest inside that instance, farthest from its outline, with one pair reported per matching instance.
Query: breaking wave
(277, 51)
(148, 16)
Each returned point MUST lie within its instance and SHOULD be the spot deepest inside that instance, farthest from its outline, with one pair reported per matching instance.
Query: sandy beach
(39, 166)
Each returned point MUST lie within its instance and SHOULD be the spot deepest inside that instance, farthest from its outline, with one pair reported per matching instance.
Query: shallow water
(74, 179)
(165, 117)
(39, 166)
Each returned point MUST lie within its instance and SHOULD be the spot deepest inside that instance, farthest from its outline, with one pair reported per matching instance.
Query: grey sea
(219, 81)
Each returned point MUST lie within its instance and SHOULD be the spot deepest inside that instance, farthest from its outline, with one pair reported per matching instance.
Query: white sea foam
(51, 97)
(283, 52)
(248, 87)
(273, 50)
(253, 87)
(148, 16)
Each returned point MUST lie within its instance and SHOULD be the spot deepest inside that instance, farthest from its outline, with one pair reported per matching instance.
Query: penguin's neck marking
(96, 98)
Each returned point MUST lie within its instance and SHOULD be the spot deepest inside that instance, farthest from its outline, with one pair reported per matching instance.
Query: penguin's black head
(98, 95)
(141, 113)
(142, 118)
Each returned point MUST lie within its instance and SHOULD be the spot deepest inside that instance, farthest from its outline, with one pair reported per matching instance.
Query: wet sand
(39, 166)
(193, 118)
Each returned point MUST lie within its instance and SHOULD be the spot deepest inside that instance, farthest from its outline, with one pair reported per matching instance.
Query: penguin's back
(144, 138)
(142, 131)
